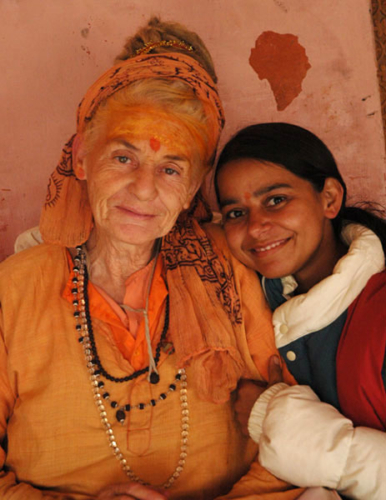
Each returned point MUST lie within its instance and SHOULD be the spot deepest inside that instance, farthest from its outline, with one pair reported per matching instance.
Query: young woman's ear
(332, 197)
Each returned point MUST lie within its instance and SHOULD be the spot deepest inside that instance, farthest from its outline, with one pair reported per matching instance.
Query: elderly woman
(123, 336)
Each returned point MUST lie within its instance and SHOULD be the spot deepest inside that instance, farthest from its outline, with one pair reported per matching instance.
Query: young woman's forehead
(249, 178)
(247, 170)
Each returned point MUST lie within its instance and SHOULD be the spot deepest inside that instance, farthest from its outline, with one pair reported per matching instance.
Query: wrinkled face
(140, 176)
(275, 222)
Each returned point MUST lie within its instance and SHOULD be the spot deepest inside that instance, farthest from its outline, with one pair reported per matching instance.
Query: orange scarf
(204, 303)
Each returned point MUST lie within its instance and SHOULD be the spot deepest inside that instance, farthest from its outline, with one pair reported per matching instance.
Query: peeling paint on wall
(282, 61)
(86, 49)
(281, 5)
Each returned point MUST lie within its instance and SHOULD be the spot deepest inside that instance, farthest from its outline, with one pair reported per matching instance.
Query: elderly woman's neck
(111, 263)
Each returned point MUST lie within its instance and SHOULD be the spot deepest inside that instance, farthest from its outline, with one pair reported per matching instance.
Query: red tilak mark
(247, 195)
(155, 144)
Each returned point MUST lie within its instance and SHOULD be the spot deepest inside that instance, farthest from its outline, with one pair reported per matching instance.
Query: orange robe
(56, 445)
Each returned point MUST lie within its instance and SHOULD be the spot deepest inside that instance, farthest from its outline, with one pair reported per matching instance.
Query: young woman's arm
(309, 443)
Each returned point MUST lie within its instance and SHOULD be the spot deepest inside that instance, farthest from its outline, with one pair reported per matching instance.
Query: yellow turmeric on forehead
(160, 128)
(146, 122)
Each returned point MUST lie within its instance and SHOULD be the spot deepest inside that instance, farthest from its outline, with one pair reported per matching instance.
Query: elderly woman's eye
(171, 171)
(123, 159)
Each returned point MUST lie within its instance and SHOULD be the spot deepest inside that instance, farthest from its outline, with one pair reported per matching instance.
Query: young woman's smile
(268, 249)
(275, 222)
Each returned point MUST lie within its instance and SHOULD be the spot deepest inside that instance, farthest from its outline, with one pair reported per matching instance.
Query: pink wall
(52, 50)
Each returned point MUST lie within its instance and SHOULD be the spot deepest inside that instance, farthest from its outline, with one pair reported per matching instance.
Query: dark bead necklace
(84, 325)
(154, 377)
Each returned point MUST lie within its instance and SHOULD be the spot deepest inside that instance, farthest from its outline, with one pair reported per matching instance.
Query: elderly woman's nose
(143, 184)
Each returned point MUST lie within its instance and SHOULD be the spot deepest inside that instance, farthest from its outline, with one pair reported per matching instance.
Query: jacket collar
(328, 299)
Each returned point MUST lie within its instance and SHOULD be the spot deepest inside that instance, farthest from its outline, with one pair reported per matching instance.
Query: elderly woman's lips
(132, 212)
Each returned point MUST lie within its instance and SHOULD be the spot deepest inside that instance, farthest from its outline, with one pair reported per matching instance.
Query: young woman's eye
(275, 200)
(236, 213)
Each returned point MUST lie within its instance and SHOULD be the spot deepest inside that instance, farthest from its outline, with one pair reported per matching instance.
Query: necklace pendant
(121, 416)
(154, 378)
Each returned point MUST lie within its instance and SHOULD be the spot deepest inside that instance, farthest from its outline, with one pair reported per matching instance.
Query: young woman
(322, 266)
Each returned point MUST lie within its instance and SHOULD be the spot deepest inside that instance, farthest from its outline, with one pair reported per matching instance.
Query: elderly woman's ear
(194, 187)
(80, 169)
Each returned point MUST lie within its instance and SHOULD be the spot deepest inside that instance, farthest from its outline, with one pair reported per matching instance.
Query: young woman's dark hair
(305, 155)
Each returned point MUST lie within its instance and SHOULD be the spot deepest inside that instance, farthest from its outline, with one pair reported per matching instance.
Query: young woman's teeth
(268, 247)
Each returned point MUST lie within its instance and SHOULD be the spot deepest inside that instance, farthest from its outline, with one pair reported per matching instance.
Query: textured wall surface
(53, 50)
(378, 9)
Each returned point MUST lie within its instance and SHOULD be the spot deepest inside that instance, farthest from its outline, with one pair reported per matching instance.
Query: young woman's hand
(248, 391)
(130, 491)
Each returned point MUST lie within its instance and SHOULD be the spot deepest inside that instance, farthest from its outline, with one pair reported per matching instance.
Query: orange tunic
(57, 447)
(128, 328)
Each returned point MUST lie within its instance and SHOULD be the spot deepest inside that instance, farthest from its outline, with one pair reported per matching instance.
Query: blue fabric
(315, 363)
(274, 292)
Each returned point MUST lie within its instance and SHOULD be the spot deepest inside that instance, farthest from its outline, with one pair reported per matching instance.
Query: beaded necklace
(95, 368)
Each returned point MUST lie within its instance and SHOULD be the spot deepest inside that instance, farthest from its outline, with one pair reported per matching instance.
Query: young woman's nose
(258, 223)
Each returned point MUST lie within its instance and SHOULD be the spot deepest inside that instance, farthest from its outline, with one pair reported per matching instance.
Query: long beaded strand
(84, 326)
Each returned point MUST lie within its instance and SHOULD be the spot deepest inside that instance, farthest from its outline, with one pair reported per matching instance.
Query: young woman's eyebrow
(268, 189)
(255, 194)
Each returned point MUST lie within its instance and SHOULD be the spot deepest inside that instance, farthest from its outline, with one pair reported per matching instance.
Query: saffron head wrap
(66, 218)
